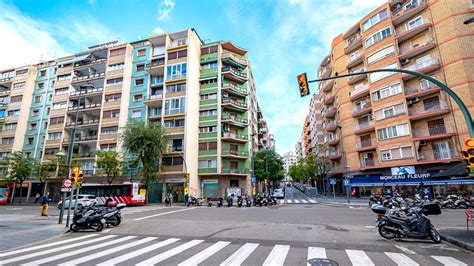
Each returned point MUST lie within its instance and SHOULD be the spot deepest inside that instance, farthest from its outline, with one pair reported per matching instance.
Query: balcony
(329, 112)
(432, 133)
(83, 156)
(354, 62)
(327, 85)
(235, 120)
(420, 91)
(402, 14)
(405, 34)
(234, 154)
(179, 111)
(360, 92)
(362, 109)
(156, 82)
(362, 128)
(6, 82)
(233, 59)
(177, 44)
(355, 79)
(234, 105)
(328, 99)
(88, 77)
(166, 169)
(234, 137)
(85, 107)
(369, 163)
(83, 123)
(331, 141)
(353, 43)
(366, 145)
(155, 66)
(334, 155)
(154, 100)
(235, 171)
(80, 139)
(232, 88)
(331, 126)
(86, 63)
(422, 112)
(410, 51)
(86, 92)
(233, 74)
(438, 156)
(425, 67)
(325, 72)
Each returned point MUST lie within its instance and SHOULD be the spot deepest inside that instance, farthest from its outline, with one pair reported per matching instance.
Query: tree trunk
(13, 193)
(146, 190)
(21, 190)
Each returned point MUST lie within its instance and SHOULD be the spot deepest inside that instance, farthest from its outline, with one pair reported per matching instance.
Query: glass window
(117, 52)
(375, 19)
(381, 75)
(381, 54)
(378, 36)
(115, 67)
(176, 71)
(139, 82)
(136, 114)
(141, 52)
(176, 88)
(140, 67)
(174, 106)
(116, 81)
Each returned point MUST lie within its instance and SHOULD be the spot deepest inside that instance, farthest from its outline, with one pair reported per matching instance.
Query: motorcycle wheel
(74, 228)
(385, 233)
(99, 227)
(463, 205)
(209, 204)
(118, 220)
(434, 235)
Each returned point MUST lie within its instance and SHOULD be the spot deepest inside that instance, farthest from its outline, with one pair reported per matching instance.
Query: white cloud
(158, 30)
(164, 10)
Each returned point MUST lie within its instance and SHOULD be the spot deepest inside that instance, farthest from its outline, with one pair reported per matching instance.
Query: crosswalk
(298, 201)
(106, 250)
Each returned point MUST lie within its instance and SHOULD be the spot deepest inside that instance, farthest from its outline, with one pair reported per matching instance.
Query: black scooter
(240, 201)
(248, 202)
(89, 218)
(230, 201)
(220, 202)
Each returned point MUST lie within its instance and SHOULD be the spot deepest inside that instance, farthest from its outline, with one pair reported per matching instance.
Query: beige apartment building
(395, 130)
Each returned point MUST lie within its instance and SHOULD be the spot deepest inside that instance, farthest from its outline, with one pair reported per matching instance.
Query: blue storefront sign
(405, 180)
(254, 179)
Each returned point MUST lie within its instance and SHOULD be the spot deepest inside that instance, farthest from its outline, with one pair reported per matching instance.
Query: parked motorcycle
(220, 202)
(248, 202)
(230, 201)
(88, 218)
(111, 212)
(258, 200)
(209, 202)
(194, 201)
(240, 201)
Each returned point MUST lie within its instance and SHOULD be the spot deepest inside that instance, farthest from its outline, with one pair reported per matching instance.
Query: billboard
(403, 170)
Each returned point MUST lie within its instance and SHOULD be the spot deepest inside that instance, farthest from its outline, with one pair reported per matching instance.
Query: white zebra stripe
(277, 256)
(449, 261)
(316, 253)
(359, 258)
(170, 253)
(240, 255)
(201, 256)
(401, 259)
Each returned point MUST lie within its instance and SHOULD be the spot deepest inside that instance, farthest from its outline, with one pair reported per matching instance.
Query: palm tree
(145, 143)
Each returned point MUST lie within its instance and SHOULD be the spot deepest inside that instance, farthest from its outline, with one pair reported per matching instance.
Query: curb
(458, 243)
(341, 204)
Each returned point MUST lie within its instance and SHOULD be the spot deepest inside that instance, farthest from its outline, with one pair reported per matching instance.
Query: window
(425, 84)
(11, 126)
(176, 88)
(113, 97)
(209, 81)
(16, 99)
(390, 111)
(208, 112)
(54, 136)
(14, 112)
(208, 129)
(141, 52)
(174, 106)
(22, 72)
(40, 86)
(378, 36)
(158, 50)
(5, 154)
(108, 147)
(386, 92)
(156, 80)
(117, 52)
(37, 99)
(174, 123)
(4, 99)
(381, 75)
(396, 153)
(386, 155)
(32, 126)
(381, 54)
(375, 19)
(116, 81)
(170, 161)
(61, 91)
(212, 65)
(209, 96)
(414, 23)
(19, 86)
(202, 164)
(204, 146)
(111, 114)
(35, 112)
(209, 50)
(140, 67)
(109, 130)
(354, 55)
(177, 54)
(393, 131)
(42, 73)
(64, 77)
(139, 82)
(57, 120)
(61, 105)
(115, 67)
(7, 141)
(136, 114)
(137, 98)
(176, 71)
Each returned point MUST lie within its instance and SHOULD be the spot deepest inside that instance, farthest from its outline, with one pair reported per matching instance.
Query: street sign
(332, 181)
(67, 183)
(347, 182)
(254, 179)
(66, 189)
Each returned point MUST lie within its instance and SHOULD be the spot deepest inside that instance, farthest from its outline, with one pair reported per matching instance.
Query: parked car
(311, 192)
(83, 199)
(278, 193)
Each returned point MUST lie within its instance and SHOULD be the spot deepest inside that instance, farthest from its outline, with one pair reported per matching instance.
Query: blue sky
(283, 37)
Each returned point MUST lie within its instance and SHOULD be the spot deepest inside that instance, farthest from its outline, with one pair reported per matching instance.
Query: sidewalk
(458, 236)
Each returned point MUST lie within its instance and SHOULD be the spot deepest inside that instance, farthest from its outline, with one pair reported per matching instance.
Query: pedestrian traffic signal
(168, 148)
(80, 177)
(303, 84)
(74, 176)
(468, 154)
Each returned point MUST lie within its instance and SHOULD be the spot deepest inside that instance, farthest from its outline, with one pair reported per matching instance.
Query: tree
(268, 164)
(21, 168)
(298, 171)
(110, 163)
(145, 143)
(322, 163)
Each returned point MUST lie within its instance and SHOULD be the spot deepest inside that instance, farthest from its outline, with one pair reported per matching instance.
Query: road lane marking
(312, 201)
(297, 201)
(449, 261)
(32, 255)
(277, 256)
(304, 201)
(164, 213)
(170, 253)
(45, 246)
(359, 258)
(240, 255)
(401, 259)
(316, 253)
(203, 255)
(138, 252)
(288, 201)
(73, 252)
(405, 250)
(107, 252)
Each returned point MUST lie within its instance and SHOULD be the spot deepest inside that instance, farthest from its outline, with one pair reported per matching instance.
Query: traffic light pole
(459, 102)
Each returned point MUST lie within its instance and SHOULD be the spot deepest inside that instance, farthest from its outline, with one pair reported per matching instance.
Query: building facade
(203, 94)
(289, 159)
(391, 129)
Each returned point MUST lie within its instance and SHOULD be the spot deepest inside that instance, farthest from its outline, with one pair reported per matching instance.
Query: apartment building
(289, 158)
(316, 120)
(391, 129)
(265, 139)
(203, 94)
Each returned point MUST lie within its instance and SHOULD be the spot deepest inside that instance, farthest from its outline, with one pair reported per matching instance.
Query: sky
(283, 37)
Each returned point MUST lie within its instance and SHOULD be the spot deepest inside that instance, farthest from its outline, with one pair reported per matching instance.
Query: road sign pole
(69, 207)
(333, 191)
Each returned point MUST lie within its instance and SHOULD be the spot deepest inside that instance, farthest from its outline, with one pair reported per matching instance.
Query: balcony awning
(75, 59)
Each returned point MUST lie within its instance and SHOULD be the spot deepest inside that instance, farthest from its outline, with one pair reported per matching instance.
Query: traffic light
(168, 148)
(80, 177)
(303, 84)
(468, 154)
(74, 176)
(187, 178)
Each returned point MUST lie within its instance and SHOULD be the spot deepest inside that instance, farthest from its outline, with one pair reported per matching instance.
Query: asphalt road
(288, 234)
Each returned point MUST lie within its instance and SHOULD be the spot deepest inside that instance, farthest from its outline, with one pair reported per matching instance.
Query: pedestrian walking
(45, 202)
(171, 199)
(37, 197)
(167, 199)
(186, 199)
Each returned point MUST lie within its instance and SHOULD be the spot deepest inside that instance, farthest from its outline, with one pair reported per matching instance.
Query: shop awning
(430, 182)
(456, 170)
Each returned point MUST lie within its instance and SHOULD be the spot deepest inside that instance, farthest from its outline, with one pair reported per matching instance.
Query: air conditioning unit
(423, 143)
(406, 61)
(414, 100)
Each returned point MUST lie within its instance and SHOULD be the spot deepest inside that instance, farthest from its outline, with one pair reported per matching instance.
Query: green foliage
(21, 167)
(268, 163)
(298, 171)
(109, 162)
(311, 168)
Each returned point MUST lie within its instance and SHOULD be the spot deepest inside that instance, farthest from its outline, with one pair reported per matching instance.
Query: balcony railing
(76, 93)
(352, 40)
(235, 153)
(234, 102)
(359, 108)
(421, 132)
(417, 110)
(81, 138)
(234, 136)
(83, 155)
(235, 119)
(410, 90)
(91, 62)
(427, 63)
(234, 71)
(87, 106)
(369, 162)
(409, 46)
(154, 116)
(154, 97)
(176, 43)
(366, 143)
(362, 126)
(174, 111)
(235, 171)
(83, 122)
(155, 62)
(234, 87)
(435, 155)
(98, 75)
(235, 58)
(363, 88)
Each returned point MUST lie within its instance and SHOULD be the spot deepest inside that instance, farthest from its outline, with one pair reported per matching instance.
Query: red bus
(5, 193)
(128, 193)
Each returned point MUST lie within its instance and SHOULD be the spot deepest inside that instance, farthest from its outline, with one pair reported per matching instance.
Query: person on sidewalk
(37, 197)
(45, 202)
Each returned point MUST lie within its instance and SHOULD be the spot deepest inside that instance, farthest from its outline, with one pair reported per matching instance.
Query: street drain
(304, 228)
(322, 262)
